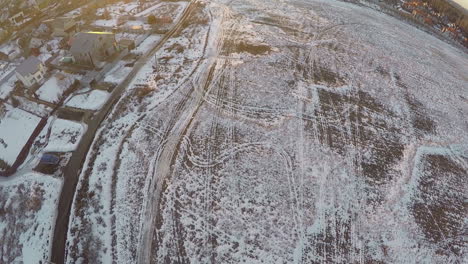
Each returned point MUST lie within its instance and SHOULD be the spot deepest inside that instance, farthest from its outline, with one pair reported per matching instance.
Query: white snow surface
(105, 23)
(16, 126)
(65, 135)
(28, 204)
(92, 100)
(147, 44)
(282, 132)
(52, 90)
(118, 73)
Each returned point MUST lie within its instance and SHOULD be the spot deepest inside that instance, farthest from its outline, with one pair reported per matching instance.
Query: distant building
(62, 26)
(31, 71)
(88, 48)
(17, 19)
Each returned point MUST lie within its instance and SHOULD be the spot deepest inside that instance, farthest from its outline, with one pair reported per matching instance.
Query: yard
(16, 126)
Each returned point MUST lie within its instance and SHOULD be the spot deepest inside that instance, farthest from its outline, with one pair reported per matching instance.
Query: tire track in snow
(169, 153)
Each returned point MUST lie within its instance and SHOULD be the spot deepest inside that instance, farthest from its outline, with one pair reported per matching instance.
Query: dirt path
(165, 161)
(168, 155)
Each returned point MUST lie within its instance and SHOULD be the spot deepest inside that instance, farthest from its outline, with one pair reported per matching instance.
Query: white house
(31, 71)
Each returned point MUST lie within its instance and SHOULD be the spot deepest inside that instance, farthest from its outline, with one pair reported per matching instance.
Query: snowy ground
(118, 73)
(92, 100)
(27, 214)
(147, 44)
(8, 68)
(105, 23)
(37, 109)
(51, 91)
(16, 126)
(64, 136)
(120, 8)
(171, 9)
(282, 132)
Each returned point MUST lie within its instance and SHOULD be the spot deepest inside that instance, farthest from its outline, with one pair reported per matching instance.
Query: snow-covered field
(16, 126)
(147, 44)
(27, 216)
(171, 9)
(117, 9)
(51, 91)
(282, 132)
(92, 100)
(64, 135)
(118, 73)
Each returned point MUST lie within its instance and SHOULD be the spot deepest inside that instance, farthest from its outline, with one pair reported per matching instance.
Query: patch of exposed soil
(243, 46)
(360, 121)
(440, 206)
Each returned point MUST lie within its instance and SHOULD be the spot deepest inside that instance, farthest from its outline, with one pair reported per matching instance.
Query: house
(17, 19)
(31, 71)
(62, 26)
(127, 44)
(88, 48)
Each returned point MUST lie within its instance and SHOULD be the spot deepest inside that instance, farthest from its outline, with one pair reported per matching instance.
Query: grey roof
(84, 41)
(29, 66)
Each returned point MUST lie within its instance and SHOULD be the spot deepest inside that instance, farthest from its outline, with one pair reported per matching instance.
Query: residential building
(31, 71)
(62, 26)
(88, 48)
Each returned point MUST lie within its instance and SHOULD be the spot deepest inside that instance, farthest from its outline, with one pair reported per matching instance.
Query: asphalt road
(73, 169)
